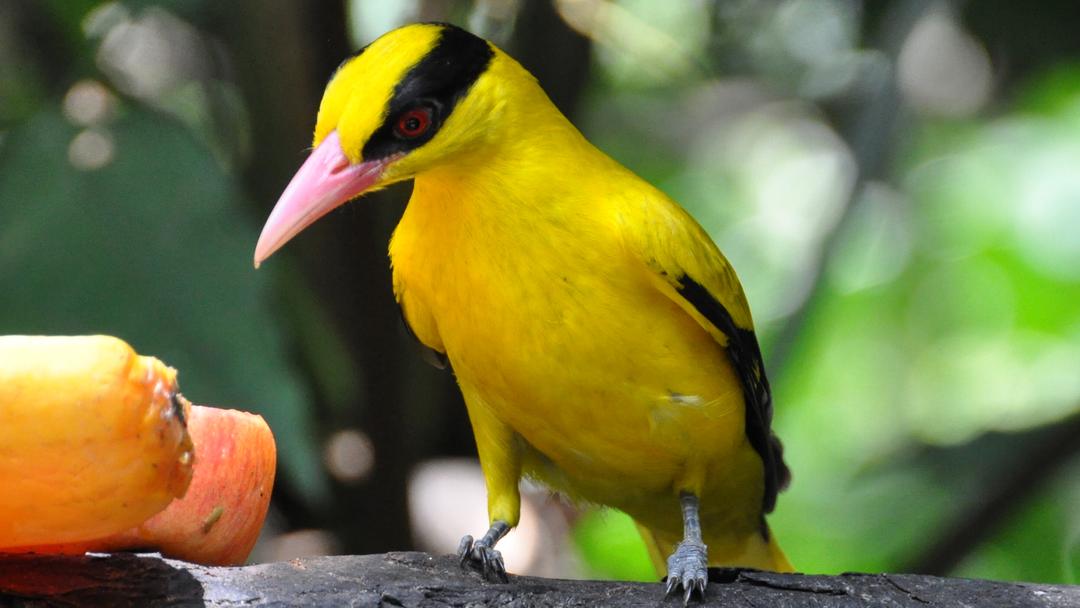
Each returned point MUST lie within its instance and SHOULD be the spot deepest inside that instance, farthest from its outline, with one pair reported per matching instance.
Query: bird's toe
(673, 583)
(487, 560)
(688, 571)
(465, 549)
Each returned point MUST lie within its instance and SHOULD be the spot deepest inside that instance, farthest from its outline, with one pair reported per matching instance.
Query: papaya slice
(93, 439)
(219, 519)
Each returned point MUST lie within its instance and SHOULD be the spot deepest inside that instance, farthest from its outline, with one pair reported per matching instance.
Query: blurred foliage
(154, 249)
(611, 546)
(896, 183)
(947, 308)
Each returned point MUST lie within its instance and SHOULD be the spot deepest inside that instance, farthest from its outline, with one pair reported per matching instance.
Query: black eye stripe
(440, 80)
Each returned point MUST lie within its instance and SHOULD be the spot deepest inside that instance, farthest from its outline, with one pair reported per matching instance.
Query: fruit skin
(218, 521)
(92, 438)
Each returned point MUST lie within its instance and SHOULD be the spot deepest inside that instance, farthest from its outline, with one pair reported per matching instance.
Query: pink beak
(324, 182)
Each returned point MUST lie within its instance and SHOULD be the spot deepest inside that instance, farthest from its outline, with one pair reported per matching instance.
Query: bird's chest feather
(560, 331)
(502, 294)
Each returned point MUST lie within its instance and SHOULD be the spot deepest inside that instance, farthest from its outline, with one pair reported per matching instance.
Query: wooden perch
(418, 579)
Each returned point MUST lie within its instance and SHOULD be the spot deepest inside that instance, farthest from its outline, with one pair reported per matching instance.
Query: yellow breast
(541, 308)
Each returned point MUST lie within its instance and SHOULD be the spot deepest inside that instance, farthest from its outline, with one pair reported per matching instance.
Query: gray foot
(480, 556)
(688, 570)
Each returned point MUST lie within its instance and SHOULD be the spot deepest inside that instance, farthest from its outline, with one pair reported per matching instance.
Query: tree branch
(1026, 470)
(417, 579)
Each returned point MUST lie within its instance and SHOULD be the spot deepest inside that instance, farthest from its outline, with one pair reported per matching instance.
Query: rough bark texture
(417, 579)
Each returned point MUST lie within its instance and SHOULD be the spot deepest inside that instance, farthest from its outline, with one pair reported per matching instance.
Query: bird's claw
(479, 556)
(688, 570)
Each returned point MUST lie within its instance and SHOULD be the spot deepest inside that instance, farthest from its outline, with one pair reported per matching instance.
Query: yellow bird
(602, 342)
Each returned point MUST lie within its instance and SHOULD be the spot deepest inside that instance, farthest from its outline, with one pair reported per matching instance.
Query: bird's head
(417, 98)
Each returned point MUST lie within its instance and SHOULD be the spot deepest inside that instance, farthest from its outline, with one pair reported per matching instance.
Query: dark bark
(417, 579)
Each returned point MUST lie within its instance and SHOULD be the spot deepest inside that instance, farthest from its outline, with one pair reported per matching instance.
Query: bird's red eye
(413, 123)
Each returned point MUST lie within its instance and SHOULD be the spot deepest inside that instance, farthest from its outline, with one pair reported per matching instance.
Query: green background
(897, 184)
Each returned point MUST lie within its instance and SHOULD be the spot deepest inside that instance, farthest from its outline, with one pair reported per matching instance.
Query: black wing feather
(745, 356)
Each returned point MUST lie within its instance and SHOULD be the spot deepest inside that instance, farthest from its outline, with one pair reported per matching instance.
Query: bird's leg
(688, 566)
(481, 554)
